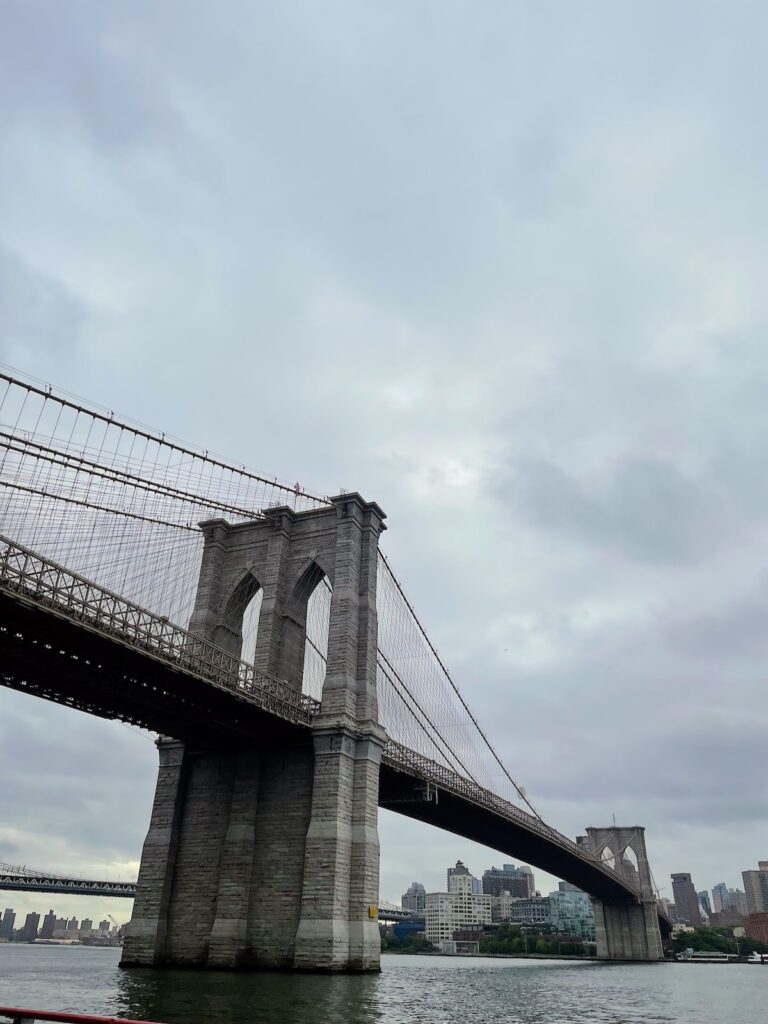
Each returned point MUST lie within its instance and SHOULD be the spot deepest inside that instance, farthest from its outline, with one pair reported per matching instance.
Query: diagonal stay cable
(464, 704)
(448, 750)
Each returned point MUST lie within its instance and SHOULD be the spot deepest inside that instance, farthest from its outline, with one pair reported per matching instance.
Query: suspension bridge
(261, 631)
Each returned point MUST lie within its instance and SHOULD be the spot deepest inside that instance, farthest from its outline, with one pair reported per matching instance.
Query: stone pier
(626, 931)
(267, 855)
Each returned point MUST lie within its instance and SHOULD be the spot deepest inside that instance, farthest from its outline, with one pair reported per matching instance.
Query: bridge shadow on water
(228, 997)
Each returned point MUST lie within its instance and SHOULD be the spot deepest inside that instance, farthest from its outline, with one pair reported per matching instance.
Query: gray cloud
(502, 272)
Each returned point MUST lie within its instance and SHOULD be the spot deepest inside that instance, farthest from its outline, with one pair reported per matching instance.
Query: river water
(432, 990)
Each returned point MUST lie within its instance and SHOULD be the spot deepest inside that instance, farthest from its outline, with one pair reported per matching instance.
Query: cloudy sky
(499, 267)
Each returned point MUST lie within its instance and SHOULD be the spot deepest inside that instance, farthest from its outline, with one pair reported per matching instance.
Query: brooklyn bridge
(261, 632)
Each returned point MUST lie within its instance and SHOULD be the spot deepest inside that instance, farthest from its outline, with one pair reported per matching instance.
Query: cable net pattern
(116, 502)
(120, 504)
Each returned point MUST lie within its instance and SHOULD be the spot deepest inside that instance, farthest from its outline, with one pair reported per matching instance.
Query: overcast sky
(501, 268)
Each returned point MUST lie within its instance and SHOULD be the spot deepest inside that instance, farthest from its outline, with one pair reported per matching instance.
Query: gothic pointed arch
(237, 630)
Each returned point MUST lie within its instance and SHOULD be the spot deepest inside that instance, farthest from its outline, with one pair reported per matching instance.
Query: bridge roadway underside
(48, 655)
(453, 813)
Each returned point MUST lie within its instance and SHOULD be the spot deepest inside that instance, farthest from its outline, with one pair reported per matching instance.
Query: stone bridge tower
(267, 854)
(626, 931)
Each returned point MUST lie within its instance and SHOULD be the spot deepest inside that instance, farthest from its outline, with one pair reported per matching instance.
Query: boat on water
(706, 957)
(758, 958)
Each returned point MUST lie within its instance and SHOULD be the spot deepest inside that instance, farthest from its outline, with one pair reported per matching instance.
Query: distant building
(534, 910)
(705, 907)
(414, 898)
(719, 897)
(737, 900)
(509, 879)
(756, 927)
(6, 925)
(86, 927)
(727, 918)
(571, 912)
(686, 900)
(447, 912)
(501, 907)
(29, 931)
(756, 889)
(460, 879)
(49, 925)
(73, 929)
(103, 927)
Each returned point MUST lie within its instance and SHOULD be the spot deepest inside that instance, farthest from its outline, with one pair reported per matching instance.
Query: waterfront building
(86, 927)
(501, 907)
(686, 900)
(49, 925)
(103, 927)
(756, 888)
(28, 932)
(534, 910)
(756, 927)
(571, 912)
(414, 898)
(705, 907)
(447, 912)
(6, 925)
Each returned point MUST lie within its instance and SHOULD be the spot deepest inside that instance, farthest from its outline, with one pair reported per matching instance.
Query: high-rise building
(460, 879)
(73, 929)
(510, 879)
(6, 925)
(414, 898)
(737, 901)
(86, 927)
(756, 888)
(49, 925)
(103, 927)
(686, 900)
(719, 897)
(705, 907)
(29, 930)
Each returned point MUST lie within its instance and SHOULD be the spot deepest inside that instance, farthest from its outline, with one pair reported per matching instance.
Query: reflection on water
(232, 998)
(410, 989)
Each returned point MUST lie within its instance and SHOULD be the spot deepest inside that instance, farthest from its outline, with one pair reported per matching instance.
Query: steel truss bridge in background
(16, 878)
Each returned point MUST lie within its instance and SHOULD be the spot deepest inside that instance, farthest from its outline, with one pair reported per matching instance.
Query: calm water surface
(437, 990)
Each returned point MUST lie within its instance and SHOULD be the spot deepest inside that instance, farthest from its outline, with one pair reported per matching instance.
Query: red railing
(21, 1015)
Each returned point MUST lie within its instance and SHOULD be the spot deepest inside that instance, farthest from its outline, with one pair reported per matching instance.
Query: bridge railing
(404, 759)
(47, 583)
(22, 1015)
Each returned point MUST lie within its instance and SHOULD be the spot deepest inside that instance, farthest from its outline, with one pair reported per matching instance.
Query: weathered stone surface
(269, 857)
(626, 931)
